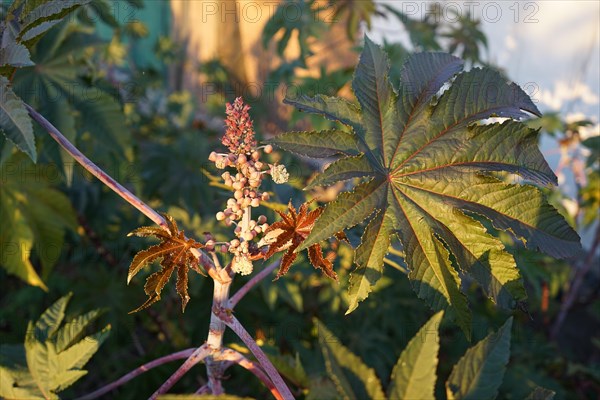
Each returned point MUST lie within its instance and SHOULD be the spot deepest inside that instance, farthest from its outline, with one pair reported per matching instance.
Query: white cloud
(510, 42)
(564, 92)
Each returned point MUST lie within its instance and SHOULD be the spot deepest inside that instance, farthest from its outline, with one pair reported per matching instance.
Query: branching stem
(235, 325)
(236, 357)
(251, 283)
(138, 371)
(216, 359)
(198, 355)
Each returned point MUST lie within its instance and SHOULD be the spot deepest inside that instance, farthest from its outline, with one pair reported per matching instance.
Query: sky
(550, 48)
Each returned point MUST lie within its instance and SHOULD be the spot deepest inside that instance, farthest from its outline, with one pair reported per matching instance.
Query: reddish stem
(114, 185)
(236, 357)
(138, 371)
(198, 355)
(251, 283)
(235, 325)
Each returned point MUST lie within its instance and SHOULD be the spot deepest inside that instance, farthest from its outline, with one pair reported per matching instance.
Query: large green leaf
(16, 240)
(479, 373)
(56, 88)
(430, 161)
(35, 216)
(15, 122)
(53, 356)
(43, 17)
(353, 379)
(414, 376)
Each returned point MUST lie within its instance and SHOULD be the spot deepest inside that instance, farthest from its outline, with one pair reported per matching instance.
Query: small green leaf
(54, 358)
(353, 379)
(479, 373)
(38, 214)
(413, 376)
(15, 122)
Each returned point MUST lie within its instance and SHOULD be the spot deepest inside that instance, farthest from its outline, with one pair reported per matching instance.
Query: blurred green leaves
(53, 355)
(36, 216)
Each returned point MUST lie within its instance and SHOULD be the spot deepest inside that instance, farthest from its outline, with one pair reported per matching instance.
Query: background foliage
(73, 231)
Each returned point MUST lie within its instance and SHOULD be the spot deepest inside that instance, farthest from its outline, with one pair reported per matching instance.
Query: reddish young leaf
(294, 227)
(174, 253)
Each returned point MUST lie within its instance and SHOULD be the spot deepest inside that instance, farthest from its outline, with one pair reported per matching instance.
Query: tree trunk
(230, 31)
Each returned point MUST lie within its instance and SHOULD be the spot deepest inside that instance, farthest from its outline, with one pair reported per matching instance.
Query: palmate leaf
(429, 165)
(174, 253)
(53, 355)
(88, 115)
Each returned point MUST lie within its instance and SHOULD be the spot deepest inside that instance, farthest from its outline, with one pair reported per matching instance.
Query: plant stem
(251, 283)
(97, 171)
(220, 318)
(236, 357)
(198, 355)
(235, 325)
(576, 285)
(138, 371)
(204, 389)
(113, 185)
(216, 330)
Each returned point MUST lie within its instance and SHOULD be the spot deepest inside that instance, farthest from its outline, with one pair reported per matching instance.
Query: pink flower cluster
(245, 157)
(239, 137)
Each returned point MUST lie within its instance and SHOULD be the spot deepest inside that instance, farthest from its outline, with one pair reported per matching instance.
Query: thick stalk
(113, 185)
(216, 329)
